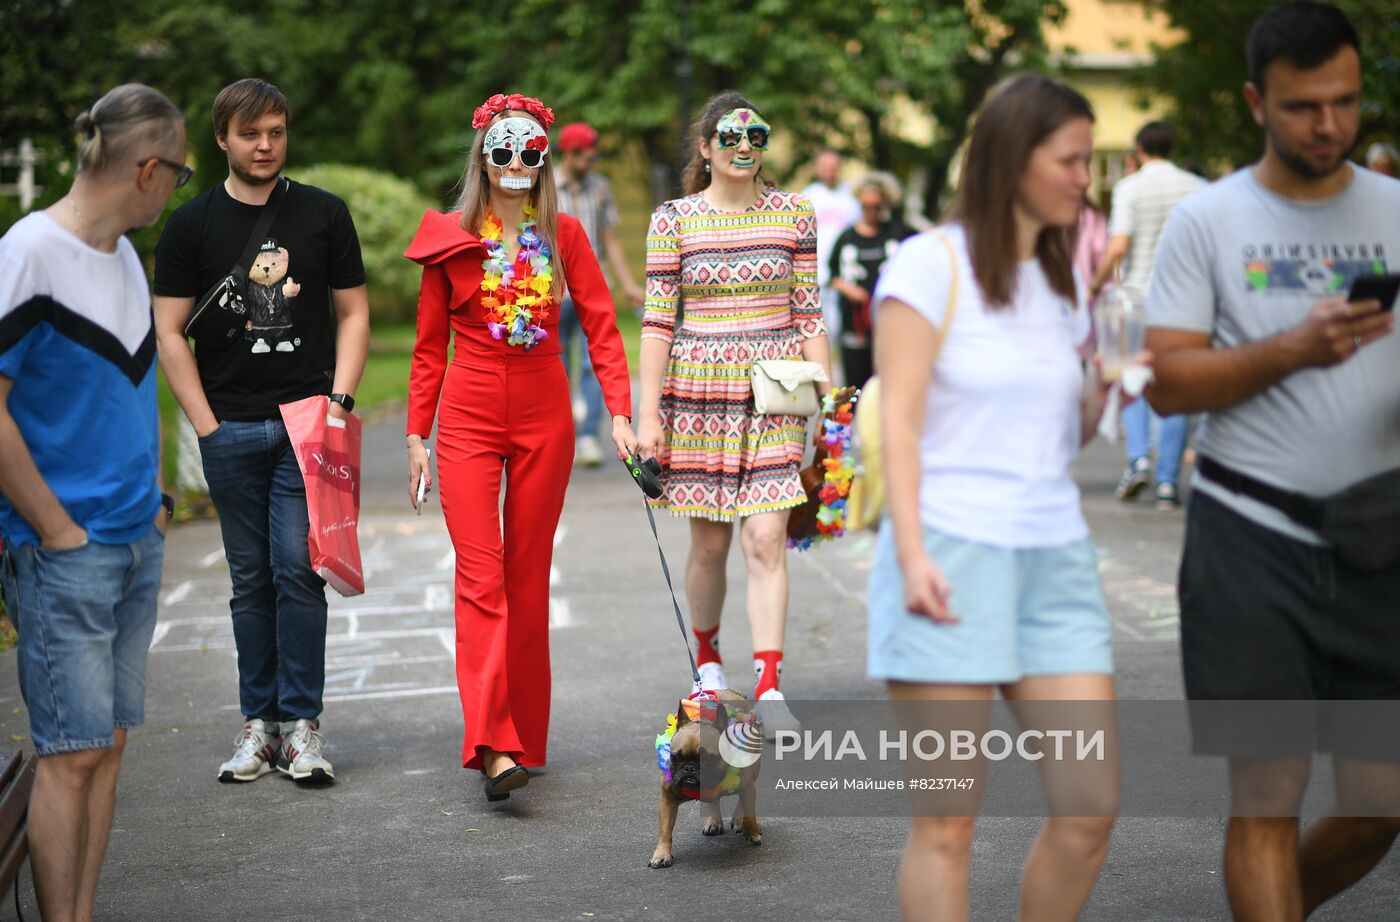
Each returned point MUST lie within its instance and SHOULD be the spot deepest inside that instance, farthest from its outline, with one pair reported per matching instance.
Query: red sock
(707, 643)
(767, 670)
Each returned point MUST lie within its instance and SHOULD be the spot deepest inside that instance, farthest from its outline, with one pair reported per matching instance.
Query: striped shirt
(1141, 203)
(590, 199)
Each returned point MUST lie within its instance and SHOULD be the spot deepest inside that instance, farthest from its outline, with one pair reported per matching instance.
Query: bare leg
(705, 581)
(496, 762)
(1065, 861)
(58, 830)
(933, 875)
(1262, 879)
(764, 539)
(101, 803)
(1337, 851)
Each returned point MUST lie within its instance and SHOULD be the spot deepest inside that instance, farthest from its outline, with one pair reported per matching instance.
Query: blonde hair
(475, 200)
(131, 117)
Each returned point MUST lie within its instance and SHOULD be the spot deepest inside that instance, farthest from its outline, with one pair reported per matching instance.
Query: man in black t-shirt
(307, 268)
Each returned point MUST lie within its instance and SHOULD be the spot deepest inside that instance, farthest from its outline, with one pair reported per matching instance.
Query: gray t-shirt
(1244, 264)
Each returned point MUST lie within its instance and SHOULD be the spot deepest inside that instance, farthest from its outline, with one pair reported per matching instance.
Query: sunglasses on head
(757, 134)
(502, 156)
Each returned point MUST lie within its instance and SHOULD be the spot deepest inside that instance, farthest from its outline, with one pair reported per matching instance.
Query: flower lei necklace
(839, 467)
(516, 293)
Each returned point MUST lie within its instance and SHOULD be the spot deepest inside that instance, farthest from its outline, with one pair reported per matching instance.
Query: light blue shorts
(85, 618)
(1027, 612)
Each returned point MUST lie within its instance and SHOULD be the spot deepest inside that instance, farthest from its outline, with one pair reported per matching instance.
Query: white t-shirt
(836, 209)
(1002, 415)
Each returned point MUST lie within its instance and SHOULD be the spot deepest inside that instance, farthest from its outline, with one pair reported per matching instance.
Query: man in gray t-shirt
(1250, 324)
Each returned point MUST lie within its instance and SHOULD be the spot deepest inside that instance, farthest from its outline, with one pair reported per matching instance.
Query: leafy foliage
(385, 209)
(393, 88)
(1203, 75)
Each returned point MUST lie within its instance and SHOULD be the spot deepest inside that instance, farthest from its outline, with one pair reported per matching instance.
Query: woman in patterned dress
(731, 279)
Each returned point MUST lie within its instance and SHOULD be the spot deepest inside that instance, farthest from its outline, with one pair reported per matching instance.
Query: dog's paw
(712, 827)
(752, 831)
(661, 859)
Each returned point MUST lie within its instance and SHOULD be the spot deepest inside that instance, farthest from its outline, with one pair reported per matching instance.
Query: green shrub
(387, 211)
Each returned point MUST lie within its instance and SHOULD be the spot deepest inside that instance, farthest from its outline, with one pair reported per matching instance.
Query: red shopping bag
(328, 451)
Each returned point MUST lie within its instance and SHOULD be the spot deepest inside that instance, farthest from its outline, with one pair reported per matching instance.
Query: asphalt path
(405, 833)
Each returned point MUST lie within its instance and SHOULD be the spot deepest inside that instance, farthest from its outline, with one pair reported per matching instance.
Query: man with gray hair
(82, 515)
(1382, 158)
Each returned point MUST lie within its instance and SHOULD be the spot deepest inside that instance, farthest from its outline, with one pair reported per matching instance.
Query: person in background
(857, 257)
(81, 515)
(1090, 241)
(1141, 204)
(836, 209)
(1382, 158)
(586, 195)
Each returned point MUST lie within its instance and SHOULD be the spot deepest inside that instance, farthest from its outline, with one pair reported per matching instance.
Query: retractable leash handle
(647, 474)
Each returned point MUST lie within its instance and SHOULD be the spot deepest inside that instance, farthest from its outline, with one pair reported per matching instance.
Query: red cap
(577, 136)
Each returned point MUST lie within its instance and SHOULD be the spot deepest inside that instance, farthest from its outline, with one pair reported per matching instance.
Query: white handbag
(786, 387)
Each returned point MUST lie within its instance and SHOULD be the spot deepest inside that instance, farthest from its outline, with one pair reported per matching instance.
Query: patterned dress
(744, 286)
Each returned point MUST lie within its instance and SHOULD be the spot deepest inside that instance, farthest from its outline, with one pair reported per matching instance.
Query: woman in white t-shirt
(989, 581)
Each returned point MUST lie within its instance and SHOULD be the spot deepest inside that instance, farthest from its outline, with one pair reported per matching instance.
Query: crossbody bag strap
(1304, 510)
(951, 309)
(264, 224)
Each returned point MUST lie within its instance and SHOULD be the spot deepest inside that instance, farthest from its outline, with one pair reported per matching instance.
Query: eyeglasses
(757, 134)
(502, 156)
(182, 172)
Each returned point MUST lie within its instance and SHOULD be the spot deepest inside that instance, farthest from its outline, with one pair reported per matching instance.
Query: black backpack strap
(260, 229)
(1302, 509)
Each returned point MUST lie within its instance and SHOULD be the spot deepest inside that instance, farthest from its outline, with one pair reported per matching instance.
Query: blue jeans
(85, 618)
(279, 603)
(592, 392)
(1171, 438)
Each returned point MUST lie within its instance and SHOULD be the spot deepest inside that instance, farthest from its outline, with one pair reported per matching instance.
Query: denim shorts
(85, 618)
(1024, 612)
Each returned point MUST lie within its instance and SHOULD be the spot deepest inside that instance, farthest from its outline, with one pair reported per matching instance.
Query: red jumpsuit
(503, 409)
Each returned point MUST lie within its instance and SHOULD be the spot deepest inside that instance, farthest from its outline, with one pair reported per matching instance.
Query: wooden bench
(16, 781)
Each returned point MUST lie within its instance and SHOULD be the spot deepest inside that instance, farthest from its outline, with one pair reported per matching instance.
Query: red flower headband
(501, 102)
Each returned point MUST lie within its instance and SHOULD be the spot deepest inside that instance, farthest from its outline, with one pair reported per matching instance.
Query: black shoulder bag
(1362, 521)
(222, 314)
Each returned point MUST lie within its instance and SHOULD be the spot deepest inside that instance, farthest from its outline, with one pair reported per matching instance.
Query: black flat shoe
(500, 786)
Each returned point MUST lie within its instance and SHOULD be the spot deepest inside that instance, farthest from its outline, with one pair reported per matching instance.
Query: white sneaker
(588, 452)
(711, 677)
(301, 753)
(254, 751)
(773, 712)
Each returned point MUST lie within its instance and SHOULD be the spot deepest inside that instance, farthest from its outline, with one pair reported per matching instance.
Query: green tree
(394, 88)
(1202, 76)
(385, 209)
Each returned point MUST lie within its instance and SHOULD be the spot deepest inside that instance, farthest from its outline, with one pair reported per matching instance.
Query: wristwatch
(345, 400)
(168, 502)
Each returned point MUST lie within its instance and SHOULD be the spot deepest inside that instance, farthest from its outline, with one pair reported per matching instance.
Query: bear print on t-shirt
(270, 327)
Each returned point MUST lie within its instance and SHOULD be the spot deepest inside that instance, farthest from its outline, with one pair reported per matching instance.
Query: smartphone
(1382, 288)
(423, 484)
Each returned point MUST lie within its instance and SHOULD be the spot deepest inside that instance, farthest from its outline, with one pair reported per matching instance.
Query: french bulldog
(716, 751)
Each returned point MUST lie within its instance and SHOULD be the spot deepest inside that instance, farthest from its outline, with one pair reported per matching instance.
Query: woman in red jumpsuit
(493, 271)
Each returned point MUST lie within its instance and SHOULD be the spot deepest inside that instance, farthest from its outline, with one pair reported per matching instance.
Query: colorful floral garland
(840, 467)
(701, 706)
(514, 102)
(516, 294)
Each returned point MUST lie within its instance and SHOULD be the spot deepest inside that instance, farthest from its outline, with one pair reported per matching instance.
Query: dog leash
(680, 618)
